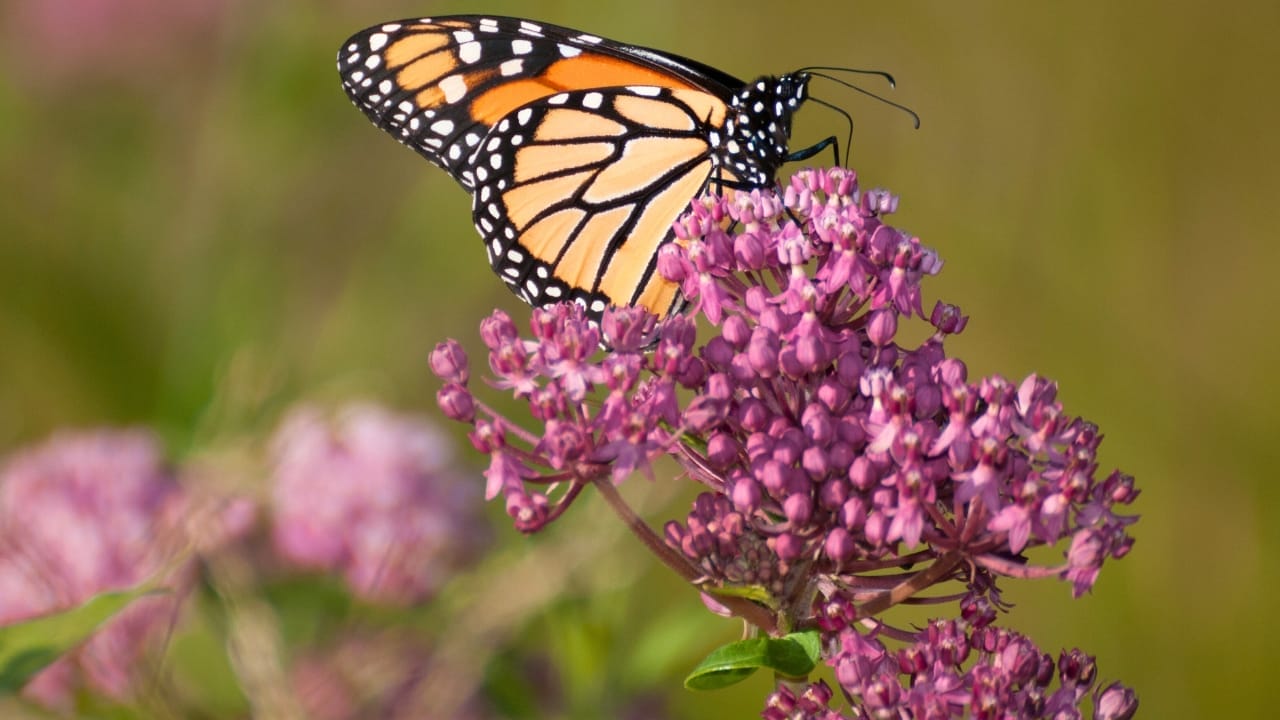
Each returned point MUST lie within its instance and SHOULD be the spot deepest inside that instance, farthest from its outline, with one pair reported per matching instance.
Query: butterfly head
(759, 126)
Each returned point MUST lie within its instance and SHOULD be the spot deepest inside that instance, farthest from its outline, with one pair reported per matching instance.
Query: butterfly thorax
(753, 144)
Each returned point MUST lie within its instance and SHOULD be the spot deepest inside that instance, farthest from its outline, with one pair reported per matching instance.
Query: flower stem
(749, 611)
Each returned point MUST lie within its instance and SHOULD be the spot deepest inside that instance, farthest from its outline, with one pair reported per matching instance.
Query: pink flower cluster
(80, 515)
(370, 494)
(833, 455)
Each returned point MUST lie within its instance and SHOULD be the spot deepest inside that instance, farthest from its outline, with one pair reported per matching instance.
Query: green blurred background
(197, 229)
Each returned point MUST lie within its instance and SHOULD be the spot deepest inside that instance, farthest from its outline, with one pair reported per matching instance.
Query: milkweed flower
(82, 514)
(370, 494)
(832, 453)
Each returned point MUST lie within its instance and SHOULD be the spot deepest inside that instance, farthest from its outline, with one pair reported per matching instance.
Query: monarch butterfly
(579, 152)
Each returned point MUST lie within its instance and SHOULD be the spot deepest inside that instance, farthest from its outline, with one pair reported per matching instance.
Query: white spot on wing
(592, 100)
(377, 41)
(469, 52)
(523, 116)
(442, 127)
(521, 47)
(454, 88)
(511, 67)
(372, 61)
(645, 90)
(569, 51)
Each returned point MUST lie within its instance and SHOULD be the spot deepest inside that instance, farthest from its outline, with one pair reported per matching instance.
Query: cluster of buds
(844, 469)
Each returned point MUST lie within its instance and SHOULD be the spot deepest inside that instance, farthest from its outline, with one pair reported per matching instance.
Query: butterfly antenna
(848, 120)
(811, 70)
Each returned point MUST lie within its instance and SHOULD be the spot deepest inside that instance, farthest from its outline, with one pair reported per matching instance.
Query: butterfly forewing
(439, 85)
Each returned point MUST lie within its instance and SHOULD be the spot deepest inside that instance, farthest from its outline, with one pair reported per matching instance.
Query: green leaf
(793, 655)
(27, 648)
(729, 664)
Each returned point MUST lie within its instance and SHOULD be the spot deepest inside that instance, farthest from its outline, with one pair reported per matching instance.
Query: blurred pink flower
(79, 515)
(62, 37)
(371, 494)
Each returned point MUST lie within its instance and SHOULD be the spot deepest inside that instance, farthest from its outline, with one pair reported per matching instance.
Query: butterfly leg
(806, 153)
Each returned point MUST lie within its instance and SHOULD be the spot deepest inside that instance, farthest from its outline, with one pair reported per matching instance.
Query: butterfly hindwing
(576, 192)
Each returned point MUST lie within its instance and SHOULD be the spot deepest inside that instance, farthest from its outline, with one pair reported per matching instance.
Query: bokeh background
(197, 230)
